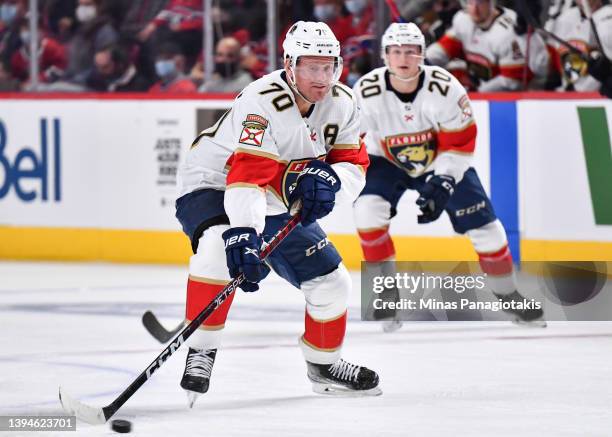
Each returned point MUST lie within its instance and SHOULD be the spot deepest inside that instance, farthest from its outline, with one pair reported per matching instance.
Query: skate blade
(531, 324)
(192, 396)
(392, 326)
(339, 391)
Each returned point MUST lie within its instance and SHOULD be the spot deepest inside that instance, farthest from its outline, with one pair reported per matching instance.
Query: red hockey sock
(497, 263)
(200, 292)
(325, 334)
(377, 244)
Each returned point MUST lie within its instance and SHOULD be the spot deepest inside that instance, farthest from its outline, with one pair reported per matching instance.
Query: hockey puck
(121, 426)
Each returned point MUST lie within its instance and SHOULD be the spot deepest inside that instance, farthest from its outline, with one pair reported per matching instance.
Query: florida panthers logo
(294, 168)
(573, 65)
(413, 152)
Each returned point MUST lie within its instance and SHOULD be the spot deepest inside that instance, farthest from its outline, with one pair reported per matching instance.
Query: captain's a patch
(254, 128)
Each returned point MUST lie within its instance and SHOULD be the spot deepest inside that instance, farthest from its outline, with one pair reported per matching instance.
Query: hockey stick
(157, 330)
(523, 10)
(395, 13)
(95, 415)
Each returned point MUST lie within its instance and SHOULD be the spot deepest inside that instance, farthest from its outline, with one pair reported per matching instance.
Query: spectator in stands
(180, 21)
(437, 20)
(60, 19)
(357, 68)
(137, 15)
(357, 49)
(11, 14)
(229, 77)
(362, 16)
(115, 72)
(7, 82)
(51, 56)
(95, 32)
(330, 12)
(170, 68)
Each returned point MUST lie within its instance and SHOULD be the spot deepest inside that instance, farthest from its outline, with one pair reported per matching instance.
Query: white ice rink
(78, 325)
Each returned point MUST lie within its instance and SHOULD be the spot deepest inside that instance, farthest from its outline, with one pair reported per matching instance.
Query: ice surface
(78, 325)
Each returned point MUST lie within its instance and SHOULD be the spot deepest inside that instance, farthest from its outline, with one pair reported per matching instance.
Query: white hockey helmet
(309, 38)
(398, 34)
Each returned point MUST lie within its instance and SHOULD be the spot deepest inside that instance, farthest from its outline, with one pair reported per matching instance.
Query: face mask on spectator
(85, 13)
(355, 6)
(25, 37)
(352, 78)
(324, 12)
(226, 69)
(165, 68)
(8, 13)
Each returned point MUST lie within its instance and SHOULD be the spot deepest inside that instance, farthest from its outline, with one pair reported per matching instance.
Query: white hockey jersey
(432, 128)
(256, 150)
(575, 28)
(496, 55)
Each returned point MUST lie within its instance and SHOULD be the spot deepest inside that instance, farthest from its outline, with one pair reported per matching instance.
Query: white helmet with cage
(309, 38)
(398, 34)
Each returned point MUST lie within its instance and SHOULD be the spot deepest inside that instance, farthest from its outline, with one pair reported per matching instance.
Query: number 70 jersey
(412, 130)
(263, 142)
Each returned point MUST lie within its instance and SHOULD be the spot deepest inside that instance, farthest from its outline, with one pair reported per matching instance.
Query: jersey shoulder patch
(253, 130)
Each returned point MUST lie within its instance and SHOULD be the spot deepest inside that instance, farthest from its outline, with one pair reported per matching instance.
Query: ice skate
(198, 369)
(389, 317)
(530, 317)
(343, 379)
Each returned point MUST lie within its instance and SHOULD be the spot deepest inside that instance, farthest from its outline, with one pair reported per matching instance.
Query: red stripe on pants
(377, 245)
(199, 295)
(497, 263)
(325, 334)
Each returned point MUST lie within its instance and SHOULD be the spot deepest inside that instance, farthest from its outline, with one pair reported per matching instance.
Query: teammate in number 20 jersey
(420, 133)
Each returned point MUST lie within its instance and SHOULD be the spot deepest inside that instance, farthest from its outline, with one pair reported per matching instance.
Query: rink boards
(93, 178)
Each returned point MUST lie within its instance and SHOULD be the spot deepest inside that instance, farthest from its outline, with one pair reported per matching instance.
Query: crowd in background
(156, 45)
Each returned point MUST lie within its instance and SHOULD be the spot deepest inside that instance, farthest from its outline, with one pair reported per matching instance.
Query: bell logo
(32, 175)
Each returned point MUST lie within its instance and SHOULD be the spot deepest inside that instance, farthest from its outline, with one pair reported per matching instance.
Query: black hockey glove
(316, 188)
(600, 68)
(434, 196)
(242, 255)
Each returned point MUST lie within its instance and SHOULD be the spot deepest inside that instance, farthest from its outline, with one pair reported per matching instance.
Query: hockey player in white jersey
(420, 133)
(291, 136)
(484, 36)
(574, 27)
